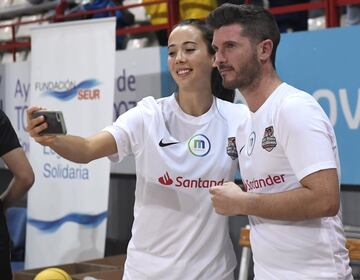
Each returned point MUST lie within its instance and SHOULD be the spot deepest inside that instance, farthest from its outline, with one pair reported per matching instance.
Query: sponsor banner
(325, 64)
(72, 70)
(137, 76)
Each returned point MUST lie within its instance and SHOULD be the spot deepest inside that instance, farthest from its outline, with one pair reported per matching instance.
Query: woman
(183, 144)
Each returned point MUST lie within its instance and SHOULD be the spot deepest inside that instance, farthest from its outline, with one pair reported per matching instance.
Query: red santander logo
(166, 180)
(180, 181)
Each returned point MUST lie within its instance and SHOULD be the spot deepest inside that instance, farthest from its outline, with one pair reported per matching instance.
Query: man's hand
(226, 199)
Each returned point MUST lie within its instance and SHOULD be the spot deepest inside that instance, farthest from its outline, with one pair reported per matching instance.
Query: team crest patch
(231, 148)
(269, 140)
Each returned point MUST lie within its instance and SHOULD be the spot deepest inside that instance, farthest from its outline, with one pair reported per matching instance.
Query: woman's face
(189, 61)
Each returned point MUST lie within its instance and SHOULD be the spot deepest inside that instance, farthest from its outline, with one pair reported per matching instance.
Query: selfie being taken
(179, 139)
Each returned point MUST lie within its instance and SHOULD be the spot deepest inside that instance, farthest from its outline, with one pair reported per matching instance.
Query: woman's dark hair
(217, 87)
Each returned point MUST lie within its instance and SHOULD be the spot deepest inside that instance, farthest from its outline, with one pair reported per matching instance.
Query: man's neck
(257, 95)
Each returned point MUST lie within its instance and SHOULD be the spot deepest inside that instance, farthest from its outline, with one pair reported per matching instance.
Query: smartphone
(55, 121)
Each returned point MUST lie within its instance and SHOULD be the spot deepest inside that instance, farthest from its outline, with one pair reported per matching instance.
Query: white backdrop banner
(137, 76)
(72, 70)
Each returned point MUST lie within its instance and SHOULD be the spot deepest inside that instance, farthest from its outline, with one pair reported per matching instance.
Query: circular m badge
(199, 145)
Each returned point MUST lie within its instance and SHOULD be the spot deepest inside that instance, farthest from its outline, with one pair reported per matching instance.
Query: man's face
(236, 57)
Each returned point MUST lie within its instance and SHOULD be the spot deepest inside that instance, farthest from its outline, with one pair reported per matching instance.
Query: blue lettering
(199, 144)
(22, 89)
(132, 104)
(348, 104)
(131, 82)
(47, 171)
(21, 113)
(123, 82)
(122, 107)
(65, 172)
(50, 152)
(47, 150)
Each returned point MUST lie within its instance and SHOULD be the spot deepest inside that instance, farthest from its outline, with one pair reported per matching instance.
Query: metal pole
(13, 40)
(173, 14)
(60, 9)
(332, 13)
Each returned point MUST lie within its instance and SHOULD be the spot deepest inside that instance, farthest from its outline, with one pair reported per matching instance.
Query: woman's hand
(36, 125)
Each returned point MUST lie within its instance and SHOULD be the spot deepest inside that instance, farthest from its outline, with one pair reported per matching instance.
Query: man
(289, 165)
(14, 157)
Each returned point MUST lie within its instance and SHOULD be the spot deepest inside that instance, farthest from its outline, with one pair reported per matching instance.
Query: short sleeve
(127, 131)
(8, 137)
(306, 135)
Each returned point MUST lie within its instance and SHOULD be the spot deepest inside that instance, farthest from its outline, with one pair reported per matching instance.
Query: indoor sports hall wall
(325, 63)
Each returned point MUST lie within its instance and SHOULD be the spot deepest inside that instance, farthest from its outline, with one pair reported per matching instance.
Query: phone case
(55, 121)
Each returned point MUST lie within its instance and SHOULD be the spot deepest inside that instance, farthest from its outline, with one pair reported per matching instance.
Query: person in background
(182, 144)
(188, 9)
(295, 21)
(124, 17)
(353, 14)
(15, 159)
(289, 165)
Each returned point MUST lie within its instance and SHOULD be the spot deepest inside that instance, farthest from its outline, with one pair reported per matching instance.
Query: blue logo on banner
(86, 220)
(71, 93)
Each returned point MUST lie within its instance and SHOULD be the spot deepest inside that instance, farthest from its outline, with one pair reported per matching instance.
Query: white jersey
(176, 233)
(290, 137)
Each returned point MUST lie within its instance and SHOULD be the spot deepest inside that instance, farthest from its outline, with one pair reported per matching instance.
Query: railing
(14, 44)
(331, 11)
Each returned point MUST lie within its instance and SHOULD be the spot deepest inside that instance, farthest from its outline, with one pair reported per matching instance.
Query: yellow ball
(52, 273)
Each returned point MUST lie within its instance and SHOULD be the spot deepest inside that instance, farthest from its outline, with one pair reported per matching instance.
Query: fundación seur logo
(66, 90)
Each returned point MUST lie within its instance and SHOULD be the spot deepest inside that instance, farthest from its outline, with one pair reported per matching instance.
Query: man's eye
(230, 45)
(190, 50)
(171, 54)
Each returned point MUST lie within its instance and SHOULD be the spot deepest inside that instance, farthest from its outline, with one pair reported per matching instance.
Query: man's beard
(247, 75)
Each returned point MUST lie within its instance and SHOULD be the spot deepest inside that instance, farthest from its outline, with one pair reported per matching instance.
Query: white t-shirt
(288, 138)
(176, 233)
